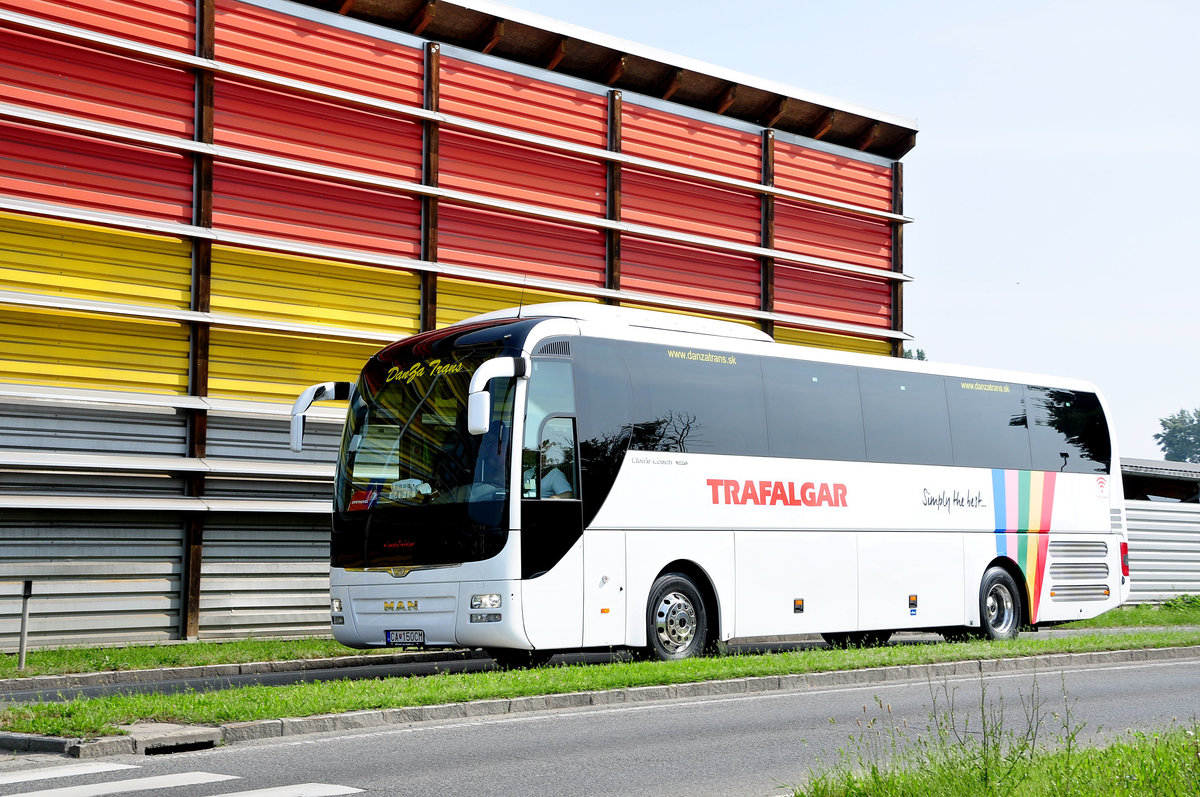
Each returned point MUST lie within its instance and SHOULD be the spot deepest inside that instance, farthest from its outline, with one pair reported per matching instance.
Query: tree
(919, 354)
(1180, 438)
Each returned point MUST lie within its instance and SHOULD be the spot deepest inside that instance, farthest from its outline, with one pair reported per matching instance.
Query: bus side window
(550, 472)
(548, 468)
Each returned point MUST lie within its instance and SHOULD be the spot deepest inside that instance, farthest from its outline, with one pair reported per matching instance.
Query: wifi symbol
(1102, 483)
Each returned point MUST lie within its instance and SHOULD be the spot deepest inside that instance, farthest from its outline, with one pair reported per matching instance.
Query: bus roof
(629, 316)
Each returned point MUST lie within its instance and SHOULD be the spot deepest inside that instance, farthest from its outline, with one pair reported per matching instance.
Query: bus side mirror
(479, 400)
(338, 391)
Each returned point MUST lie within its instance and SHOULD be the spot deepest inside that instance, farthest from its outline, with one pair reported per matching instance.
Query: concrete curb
(53, 683)
(159, 738)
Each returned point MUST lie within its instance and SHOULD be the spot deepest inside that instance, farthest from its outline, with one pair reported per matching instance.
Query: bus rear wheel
(676, 618)
(1000, 607)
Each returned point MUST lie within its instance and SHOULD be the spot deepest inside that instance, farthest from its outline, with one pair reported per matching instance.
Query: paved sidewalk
(162, 738)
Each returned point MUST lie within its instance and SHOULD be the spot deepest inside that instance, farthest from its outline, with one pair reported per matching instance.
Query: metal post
(26, 594)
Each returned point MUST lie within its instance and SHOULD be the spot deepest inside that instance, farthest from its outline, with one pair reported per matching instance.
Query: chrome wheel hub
(1001, 615)
(675, 622)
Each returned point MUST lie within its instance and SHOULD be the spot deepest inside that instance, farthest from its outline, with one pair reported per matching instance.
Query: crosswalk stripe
(299, 790)
(65, 771)
(128, 786)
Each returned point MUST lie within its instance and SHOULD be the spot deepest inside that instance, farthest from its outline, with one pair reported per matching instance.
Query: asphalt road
(747, 744)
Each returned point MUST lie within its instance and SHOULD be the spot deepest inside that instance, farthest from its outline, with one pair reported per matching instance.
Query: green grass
(103, 716)
(176, 654)
(1183, 610)
(986, 754)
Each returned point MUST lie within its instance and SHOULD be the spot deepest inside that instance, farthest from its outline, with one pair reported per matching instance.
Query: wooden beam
(616, 70)
(492, 36)
(776, 111)
(430, 206)
(345, 7)
(612, 252)
(420, 19)
(822, 126)
(556, 53)
(868, 137)
(672, 85)
(726, 99)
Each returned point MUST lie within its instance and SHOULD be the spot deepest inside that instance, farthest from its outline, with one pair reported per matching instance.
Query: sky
(1055, 184)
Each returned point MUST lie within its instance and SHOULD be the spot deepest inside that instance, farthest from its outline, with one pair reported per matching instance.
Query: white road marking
(299, 790)
(65, 771)
(129, 786)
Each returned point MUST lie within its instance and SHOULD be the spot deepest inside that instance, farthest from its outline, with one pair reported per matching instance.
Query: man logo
(400, 606)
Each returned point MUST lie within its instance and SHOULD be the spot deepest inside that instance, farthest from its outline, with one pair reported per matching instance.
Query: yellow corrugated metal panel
(828, 340)
(458, 299)
(91, 351)
(312, 291)
(267, 367)
(84, 262)
(743, 321)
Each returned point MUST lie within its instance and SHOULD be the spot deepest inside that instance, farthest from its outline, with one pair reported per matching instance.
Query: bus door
(551, 511)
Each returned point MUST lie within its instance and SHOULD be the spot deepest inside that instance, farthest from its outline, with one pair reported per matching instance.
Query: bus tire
(857, 639)
(1000, 607)
(513, 659)
(676, 619)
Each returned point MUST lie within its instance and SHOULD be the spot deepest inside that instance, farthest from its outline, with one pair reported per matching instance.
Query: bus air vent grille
(1072, 548)
(560, 347)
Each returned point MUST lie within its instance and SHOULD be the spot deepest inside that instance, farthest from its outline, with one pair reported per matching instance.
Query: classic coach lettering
(769, 493)
(418, 370)
(400, 606)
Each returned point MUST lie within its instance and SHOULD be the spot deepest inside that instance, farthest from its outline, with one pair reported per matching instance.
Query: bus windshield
(413, 487)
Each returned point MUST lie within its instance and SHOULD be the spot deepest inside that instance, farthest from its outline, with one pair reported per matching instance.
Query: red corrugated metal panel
(329, 214)
(830, 296)
(837, 177)
(82, 172)
(315, 53)
(690, 207)
(48, 75)
(305, 128)
(833, 235)
(520, 245)
(690, 143)
(169, 24)
(520, 173)
(688, 272)
(523, 103)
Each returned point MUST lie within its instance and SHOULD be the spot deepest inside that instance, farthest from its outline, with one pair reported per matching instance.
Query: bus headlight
(491, 601)
(490, 617)
(335, 605)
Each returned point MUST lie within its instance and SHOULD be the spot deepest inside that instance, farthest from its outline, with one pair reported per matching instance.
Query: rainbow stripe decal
(1024, 503)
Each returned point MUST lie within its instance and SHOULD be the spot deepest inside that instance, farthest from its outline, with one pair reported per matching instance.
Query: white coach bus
(568, 476)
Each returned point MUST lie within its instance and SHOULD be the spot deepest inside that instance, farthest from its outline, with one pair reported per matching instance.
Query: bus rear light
(1125, 559)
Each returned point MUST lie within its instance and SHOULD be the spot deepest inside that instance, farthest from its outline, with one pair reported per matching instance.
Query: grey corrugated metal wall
(1164, 550)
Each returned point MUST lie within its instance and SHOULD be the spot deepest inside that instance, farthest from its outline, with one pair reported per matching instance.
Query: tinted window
(905, 417)
(697, 400)
(605, 414)
(1068, 431)
(988, 424)
(813, 410)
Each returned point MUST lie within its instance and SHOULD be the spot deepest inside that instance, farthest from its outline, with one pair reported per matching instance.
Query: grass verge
(985, 754)
(90, 717)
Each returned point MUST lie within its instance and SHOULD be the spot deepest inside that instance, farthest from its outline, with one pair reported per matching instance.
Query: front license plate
(405, 638)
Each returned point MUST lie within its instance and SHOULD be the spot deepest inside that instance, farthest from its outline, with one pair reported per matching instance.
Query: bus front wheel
(676, 618)
(999, 605)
